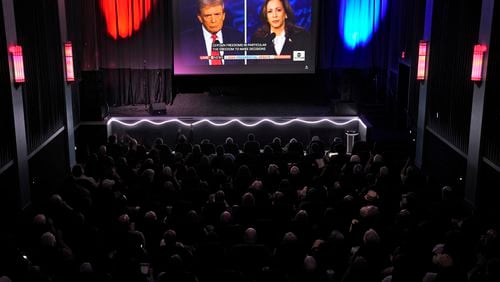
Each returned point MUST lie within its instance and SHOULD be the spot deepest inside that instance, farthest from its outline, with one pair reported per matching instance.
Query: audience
(281, 212)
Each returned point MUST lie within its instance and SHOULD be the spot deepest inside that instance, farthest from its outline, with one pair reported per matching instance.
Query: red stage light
(477, 62)
(422, 59)
(123, 17)
(17, 58)
(68, 55)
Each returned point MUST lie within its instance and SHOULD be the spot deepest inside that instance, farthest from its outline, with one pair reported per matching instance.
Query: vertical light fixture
(422, 59)
(16, 52)
(68, 55)
(477, 62)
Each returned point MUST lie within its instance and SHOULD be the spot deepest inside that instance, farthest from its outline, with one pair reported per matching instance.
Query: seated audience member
(183, 145)
(170, 246)
(207, 147)
(249, 256)
(294, 151)
(359, 270)
(229, 229)
(113, 148)
(277, 147)
(193, 158)
(230, 147)
(215, 205)
(80, 178)
(309, 271)
(221, 160)
(289, 254)
(320, 145)
(247, 213)
(251, 146)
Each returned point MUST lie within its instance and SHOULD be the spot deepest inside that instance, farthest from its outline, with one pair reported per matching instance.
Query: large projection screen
(247, 42)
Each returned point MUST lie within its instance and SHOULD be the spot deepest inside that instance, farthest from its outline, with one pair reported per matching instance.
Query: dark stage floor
(204, 105)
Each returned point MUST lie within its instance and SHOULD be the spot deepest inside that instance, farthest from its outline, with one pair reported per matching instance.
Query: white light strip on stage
(235, 120)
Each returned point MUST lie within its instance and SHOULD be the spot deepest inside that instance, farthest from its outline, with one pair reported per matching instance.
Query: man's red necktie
(215, 62)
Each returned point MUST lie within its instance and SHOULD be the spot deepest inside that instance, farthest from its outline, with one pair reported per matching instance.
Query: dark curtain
(77, 26)
(6, 121)
(327, 33)
(455, 27)
(352, 75)
(333, 52)
(407, 21)
(491, 117)
(136, 65)
(147, 48)
(38, 34)
(136, 86)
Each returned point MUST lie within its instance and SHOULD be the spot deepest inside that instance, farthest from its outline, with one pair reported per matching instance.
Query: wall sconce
(422, 59)
(477, 62)
(68, 55)
(16, 52)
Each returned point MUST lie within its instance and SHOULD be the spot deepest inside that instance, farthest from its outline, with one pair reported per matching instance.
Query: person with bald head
(249, 256)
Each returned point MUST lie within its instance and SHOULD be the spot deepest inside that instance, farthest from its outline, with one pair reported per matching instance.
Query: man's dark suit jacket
(193, 45)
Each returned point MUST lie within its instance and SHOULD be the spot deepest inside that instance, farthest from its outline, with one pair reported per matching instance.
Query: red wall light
(16, 52)
(477, 62)
(422, 59)
(68, 55)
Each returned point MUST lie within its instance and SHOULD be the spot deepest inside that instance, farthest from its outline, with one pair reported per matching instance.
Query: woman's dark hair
(286, 6)
(265, 29)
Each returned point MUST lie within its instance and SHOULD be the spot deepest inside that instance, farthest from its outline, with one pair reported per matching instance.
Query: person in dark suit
(279, 33)
(197, 42)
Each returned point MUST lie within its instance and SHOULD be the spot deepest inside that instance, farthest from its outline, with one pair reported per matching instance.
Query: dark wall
(443, 164)
(88, 138)
(6, 120)
(455, 29)
(37, 25)
(488, 193)
(412, 20)
(491, 117)
(9, 196)
(48, 168)
(92, 96)
(488, 189)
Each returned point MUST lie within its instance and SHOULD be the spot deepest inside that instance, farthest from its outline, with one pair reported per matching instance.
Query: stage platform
(217, 129)
(216, 117)
(258, 105)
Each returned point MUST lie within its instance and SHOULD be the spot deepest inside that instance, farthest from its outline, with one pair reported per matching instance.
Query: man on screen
(198, 42)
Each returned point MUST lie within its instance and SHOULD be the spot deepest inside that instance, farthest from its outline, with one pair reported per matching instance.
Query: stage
(216, 117)
(206, 105)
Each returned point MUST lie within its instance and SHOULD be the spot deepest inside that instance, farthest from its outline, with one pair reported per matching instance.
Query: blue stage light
(359, 20)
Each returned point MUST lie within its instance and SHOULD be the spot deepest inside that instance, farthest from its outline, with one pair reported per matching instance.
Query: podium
(351, 134)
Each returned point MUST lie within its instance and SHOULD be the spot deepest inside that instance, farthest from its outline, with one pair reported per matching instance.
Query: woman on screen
(278, 33)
